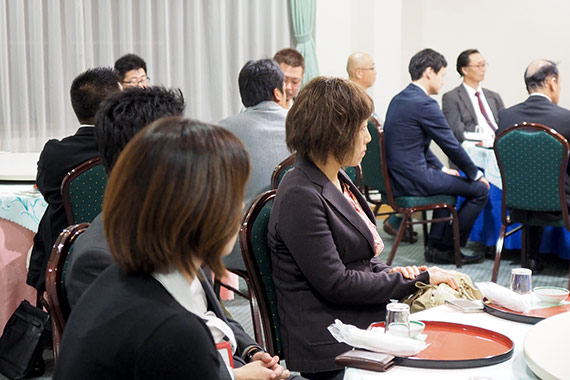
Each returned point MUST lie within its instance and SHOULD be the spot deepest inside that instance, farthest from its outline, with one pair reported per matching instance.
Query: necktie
(482, 108)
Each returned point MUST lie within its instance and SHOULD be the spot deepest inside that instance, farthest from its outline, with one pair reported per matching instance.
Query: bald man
(542, 80)
(360, 69)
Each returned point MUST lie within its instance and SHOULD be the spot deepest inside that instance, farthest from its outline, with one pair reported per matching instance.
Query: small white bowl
(416, 328)
(551, 294)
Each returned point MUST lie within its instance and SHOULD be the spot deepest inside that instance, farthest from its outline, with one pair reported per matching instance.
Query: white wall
(509, 34)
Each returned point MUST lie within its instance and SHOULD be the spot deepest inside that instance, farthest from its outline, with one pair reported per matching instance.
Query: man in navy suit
(543, 84)
(412, 121)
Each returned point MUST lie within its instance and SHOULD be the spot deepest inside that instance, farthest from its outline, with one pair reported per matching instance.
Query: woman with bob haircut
(172, 204)
(322, 234)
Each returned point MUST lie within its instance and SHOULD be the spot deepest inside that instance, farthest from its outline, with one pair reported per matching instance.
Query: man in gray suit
(261, 127)
(469, 107)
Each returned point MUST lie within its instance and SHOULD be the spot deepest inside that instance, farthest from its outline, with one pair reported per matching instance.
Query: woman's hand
(440, 276)
(409, 272)
(262, 367)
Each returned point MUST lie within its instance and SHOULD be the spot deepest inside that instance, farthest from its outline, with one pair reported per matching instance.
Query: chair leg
(424, 228)
(398, 238)
(500, 243)
(456, 242)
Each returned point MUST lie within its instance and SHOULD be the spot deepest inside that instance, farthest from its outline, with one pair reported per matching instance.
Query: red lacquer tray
(532, 317)
(453, 345)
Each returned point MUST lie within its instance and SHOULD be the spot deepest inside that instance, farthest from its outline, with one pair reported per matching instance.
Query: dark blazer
(130, 327)
(413, 119)
(538, 109)
(91, 256)
(324, 267)
(56, 160)
(459, 112)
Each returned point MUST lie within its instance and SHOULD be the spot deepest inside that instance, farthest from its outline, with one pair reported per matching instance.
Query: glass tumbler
(397, 319)
(521, 280)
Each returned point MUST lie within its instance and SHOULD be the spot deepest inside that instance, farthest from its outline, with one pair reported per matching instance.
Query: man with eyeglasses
(360, 68)
(131, 70)
(469, 107)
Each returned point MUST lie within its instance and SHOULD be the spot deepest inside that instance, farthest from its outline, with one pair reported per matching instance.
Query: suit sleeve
(45, 176)
(180, 348)
(435, 125)
(450, 107)
(311, 243)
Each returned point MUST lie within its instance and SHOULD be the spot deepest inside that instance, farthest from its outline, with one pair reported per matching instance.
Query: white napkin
(375, 340)
(505, 297)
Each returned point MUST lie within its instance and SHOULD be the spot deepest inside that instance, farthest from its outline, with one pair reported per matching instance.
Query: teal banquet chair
(82, 191)
(376, 178)
(256, 255)
(533, 161)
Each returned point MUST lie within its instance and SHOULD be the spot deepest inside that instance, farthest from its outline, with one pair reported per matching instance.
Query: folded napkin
(505, 297)
(375, 340)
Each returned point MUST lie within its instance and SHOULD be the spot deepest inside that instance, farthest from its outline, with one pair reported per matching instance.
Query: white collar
(422, 87)
(540, 94)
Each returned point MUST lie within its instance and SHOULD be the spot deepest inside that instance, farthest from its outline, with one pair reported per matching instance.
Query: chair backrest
(374, 168)
(354, 172)
(256, 255)
(280, 170)
(82, 191)
(58, 305)
(533, 160)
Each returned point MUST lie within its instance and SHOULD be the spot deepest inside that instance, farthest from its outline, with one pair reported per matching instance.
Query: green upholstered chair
(256, 255)
(57, 303)
(375, 178)
(289, 163)
(533, 160)
(82, 191)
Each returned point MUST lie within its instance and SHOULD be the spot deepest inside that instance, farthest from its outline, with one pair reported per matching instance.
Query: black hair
(539, 77)
(463, 59)
(127, 63)
(89, 89)
(258, 79)
(424, 59)
(124, 114)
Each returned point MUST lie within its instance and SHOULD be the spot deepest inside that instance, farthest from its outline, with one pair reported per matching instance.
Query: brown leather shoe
(393, 232)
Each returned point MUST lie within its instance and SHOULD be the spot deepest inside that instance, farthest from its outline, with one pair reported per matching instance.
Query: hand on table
(440, 276)
(409, 272)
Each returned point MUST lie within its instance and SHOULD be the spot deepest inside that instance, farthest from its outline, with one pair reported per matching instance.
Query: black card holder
(371, 361)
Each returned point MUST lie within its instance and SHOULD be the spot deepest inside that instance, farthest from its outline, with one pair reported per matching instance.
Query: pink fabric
(15, 242)
(378, 243)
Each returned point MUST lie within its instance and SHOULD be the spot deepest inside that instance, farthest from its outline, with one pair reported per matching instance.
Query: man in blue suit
(412, 121)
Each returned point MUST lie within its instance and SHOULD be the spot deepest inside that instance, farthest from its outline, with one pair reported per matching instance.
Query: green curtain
(303, 19)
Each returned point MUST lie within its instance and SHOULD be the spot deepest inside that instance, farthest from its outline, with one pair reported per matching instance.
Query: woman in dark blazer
(323, 236)
(173, 203)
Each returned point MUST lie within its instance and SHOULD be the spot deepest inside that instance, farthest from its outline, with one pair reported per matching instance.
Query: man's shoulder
(454, 92)
(491, 93)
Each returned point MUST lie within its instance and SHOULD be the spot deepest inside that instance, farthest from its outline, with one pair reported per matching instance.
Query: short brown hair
(326, 117)
(290, 57)
(174, 198)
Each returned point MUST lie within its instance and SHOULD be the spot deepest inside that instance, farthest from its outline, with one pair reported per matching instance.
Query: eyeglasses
(136, 82)
(480, 65)
(367, 68)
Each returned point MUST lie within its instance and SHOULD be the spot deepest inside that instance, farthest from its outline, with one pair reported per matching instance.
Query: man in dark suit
(469, 107)
(413, 119)
(120, 118)
(543, 84)
(58, 157)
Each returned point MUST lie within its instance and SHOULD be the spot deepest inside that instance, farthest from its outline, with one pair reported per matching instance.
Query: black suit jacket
(538, 109)
(56, 160)
(91, 256)
(324, 267)
(413, 119)
(459, 112)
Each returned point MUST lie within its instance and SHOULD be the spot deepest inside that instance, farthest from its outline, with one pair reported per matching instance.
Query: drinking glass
(521, 280)
(398, 319)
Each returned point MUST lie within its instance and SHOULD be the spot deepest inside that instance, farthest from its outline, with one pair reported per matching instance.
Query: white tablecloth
(18, 166)
(512, 369)
(486, 160)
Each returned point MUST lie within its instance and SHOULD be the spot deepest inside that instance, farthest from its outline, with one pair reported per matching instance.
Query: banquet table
(21, 208)
(487, 226)
(514, 368)
(21, 167)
